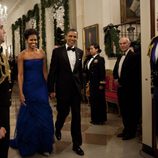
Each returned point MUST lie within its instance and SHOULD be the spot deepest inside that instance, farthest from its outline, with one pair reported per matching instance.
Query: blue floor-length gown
(34, 128)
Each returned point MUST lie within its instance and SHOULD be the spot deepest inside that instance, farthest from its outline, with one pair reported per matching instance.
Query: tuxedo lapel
(126, 60)
(77, 59)
(94, 60)
(66, 58)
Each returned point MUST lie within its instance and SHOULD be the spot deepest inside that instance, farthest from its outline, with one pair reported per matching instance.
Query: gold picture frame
(130, 10)
(90, 35)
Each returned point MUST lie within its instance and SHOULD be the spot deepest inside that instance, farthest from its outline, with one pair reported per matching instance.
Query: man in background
(5, 98)
(127, 77)
(153, 52)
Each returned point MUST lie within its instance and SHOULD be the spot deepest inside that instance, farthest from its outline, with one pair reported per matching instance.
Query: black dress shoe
(92, 122)
(121, 135)
(128, 137)
(78, 150)
(58, 135)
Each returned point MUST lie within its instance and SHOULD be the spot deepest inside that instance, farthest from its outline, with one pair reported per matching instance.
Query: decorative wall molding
(21, 24)
(38, 15)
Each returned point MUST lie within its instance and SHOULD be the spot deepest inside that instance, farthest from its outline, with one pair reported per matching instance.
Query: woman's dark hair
(29, 32)
(96, 46)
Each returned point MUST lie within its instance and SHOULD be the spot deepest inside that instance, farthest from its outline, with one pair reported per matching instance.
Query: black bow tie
(69, 48)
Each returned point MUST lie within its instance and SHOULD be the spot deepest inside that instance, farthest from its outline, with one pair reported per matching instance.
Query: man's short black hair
(71, 30)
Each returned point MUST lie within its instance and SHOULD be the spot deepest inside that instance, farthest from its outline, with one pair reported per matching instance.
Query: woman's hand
(22, 99)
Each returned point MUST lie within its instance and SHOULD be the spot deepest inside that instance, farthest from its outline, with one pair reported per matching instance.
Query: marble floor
(99, 141)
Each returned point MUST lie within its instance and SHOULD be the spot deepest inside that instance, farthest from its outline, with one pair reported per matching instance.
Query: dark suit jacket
(61, 79)
(154, 64)
(97, 72)
(154, 72)
(5, 93)
(85, 70)
(129, 72)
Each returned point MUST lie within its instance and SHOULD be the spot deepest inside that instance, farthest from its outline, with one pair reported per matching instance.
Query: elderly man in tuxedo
(64, 82)
(5, 98)
(126, 77)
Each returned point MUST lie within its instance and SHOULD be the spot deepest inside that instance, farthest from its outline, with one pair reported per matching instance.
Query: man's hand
(2, 132)
(52, 95)
(117, 83)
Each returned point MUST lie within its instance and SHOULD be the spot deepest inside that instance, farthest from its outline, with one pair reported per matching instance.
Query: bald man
(5, 98)
(126, 77)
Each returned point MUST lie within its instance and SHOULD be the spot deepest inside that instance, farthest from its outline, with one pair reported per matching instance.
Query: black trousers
(155, 102)
(63, 108)
(98, 105)
(129, 109)
(4, 122)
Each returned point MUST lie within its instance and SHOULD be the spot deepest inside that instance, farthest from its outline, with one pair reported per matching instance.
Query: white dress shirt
(156, 53)
(90, 61)
(72, 57)
(121, 63)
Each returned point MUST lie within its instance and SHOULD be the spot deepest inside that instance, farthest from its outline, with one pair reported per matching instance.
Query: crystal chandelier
(3, 11)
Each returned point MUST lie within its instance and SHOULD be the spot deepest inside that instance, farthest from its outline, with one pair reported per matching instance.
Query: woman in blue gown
(34, 129)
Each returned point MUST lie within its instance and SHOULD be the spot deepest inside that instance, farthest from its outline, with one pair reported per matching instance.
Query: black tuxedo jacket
(61, 79)
(129, 72)
(154, 63)
(5, 94)
(97, 71)
(154, 72)
(5, 89)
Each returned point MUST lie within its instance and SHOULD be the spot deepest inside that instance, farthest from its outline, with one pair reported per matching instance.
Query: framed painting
(90, 35)
(130, 10)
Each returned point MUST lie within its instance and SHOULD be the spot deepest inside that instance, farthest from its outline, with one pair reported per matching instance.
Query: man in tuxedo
(153, 52)
(64, 82)
(5, 97)
(126, 75)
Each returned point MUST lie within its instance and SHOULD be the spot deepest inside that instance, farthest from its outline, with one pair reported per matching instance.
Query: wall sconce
(131, 32)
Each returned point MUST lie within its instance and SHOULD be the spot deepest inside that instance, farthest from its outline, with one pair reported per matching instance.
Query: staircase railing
(114, 32)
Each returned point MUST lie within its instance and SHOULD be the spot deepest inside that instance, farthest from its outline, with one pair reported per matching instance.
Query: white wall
(102, 12)
(49, 35)
(80, 21)
(146, 80)
(21, 8)
(72, 13)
